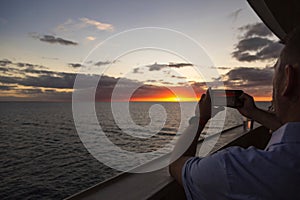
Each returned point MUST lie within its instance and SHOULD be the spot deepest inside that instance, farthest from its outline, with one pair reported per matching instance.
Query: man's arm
(175, 168)
(205, 108)
(266, 118)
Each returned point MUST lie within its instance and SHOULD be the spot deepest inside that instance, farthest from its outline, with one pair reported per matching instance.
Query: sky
(155, 50)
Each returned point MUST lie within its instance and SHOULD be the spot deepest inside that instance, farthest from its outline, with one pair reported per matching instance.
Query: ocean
(42, 156)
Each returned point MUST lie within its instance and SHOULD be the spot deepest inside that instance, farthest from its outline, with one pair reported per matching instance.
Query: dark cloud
(74, 65)
(39, 81)
(167, 83)
(137, 71)
(236, 13)
(45, 85)
(100, 63)
(31, 91)
(179, 65)
(38, 71)
(20, 64)
(222, 68)
(241, 56)
(178, 77)
(268, 52)
(6, 87)
(255, 81)
(151, 81)
(158, 67)
(29, 65)
(256, 44)
(250, 75)
(271, 51)
(3, 69)
(38, 95)
(252, 44)
(5, 62)
(257, 29)
(55, 40)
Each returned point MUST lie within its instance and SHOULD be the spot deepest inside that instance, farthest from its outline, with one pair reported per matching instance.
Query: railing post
(248, 123)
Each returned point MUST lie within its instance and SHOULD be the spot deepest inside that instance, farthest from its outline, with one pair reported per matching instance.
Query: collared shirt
(238, 173)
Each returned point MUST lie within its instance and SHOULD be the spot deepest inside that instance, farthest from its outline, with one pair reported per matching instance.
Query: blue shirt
(238, 173)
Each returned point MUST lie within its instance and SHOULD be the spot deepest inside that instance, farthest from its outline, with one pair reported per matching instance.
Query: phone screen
(229, 98)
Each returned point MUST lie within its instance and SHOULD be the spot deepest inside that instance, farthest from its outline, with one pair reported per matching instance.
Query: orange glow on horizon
(164, 95)
(260, 98)
(164, 99)
(168, 96)
(182, 99)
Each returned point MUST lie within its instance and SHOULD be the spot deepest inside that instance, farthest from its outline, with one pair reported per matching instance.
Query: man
(237, 173)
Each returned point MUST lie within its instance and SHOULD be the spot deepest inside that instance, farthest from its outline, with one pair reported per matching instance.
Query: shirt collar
(289, 132)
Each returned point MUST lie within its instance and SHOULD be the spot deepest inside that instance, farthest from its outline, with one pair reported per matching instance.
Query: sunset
(101, 99)
(56, 51)
(165, 96)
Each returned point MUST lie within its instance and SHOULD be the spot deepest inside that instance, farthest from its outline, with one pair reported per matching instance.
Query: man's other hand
(248, 107)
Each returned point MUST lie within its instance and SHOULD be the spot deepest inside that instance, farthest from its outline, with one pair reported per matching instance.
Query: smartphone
(229, 98)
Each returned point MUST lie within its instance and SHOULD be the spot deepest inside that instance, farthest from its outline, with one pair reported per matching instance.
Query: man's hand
(248, 107)
(267, 119)
(206, 109)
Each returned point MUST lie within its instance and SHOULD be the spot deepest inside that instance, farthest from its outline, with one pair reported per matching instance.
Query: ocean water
(42, 156)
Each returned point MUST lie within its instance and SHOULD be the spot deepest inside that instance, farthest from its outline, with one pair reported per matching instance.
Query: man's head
(286, 81)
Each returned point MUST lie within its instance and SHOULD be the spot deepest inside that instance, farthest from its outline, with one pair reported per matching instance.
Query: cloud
(252, 44)
(178, 77)
(31, 91)
(75, 25)
(3, 69)
(271, 51)
(47, 81)
(222, 68)
(100, 63)
(257, 29)
(256, 81)
(90, 38)
(256, 44)
(29, 65)
(55, 40)
(48, 85)
(99, 25)
(235, 14)
(10, 67)
(6, 87)
(158, 67)
(167, 83)
(64, 26)
(137, 71)
(179, 65)
(151, 81)
(74, 65)
(250, 75)
(5, 62)
(267, 52)
(35, 94)
(57, 80)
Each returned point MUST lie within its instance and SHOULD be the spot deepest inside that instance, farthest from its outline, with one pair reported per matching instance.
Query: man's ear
(289, 82)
